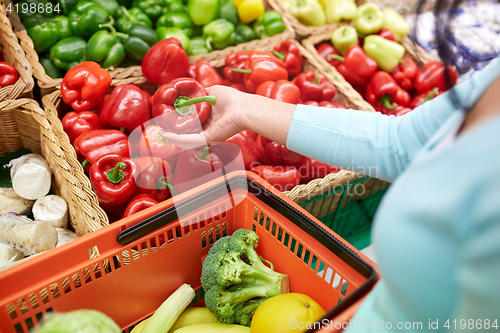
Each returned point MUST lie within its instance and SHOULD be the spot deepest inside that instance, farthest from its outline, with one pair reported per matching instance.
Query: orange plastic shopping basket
(132, 275)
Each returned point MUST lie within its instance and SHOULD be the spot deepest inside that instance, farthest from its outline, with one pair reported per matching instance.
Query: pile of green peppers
(118, 33)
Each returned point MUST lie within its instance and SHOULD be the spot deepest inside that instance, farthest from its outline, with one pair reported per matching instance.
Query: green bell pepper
(308, 12)
(229, 12)
(369, 18)
(269, 24)
(62, 23)
(140, 40)
(43, 33)
(386, 53)
(198, 46)
(86, 17)
(174, 6)
(126, 3)
(24, 14)
(112, 7)
(68, 52)
(152, 8)
(338, 10)
(204, 11)
(396, 23)
(67, 5)
(219, 34)
(51, 69)
(131, 16)
(344, 37)
(244, 33)
(164, 33)
(104, 46)
(178, 20)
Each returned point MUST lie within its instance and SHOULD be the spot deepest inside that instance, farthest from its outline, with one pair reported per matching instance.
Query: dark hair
(444, 13)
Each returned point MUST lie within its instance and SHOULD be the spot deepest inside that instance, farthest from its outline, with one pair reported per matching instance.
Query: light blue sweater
(437, 230)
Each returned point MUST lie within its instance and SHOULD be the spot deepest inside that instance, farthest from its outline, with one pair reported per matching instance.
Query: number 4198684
(471, 324)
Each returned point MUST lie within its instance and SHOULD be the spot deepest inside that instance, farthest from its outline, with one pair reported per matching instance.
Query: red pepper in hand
(387, 34)
(357, 67)
(314, 86)
(154, 178)
(325, 49)
(152, 144)
(282, 90)
(432, 75)
(113, 180)
(207, 75)
(399, 111)
(96, 143)
(384, 93)
(424, 97)
(85, 85)
(235, 60)
(405, 73)
(200, 165)
(325, 104)
(137, 203)
(251, 152)
(279, 154)
(310, 169)
(289, 53)
(165, 61)
(284, 178)
(182, 106)
(8, 74)
(77, 123)
(127, 107)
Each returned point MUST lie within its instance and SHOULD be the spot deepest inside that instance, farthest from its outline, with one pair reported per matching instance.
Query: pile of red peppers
(131, 175)
(395, 93)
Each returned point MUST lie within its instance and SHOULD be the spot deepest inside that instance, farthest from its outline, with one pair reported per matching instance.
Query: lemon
(286, 313)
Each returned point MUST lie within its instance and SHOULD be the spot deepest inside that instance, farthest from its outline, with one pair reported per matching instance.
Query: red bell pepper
(432, 75)
(357, 67)
(200, 165)
(113, 180)
(251, 133)
(325, 49)
(405, 73)
(289, 52)
(182, 106)
(85, 85)
(284, 178)
(165, 61)
(207, 75)
(95, 144)
(424, 97)
(325, 104)
(384, 94)
(152, 144)
(8, 74)
(279, 154)
(251, 152)
(400, 111)
(387, 34)
(99, 107)
(154, 178)
(282, 90)
(137, 203)
(239, 86)
(310, 169)
(77, 123)
(314, 86)
(127, 107)
(192, 71)
(235, 60)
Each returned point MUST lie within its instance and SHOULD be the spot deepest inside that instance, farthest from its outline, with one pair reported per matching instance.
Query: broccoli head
(236, 280)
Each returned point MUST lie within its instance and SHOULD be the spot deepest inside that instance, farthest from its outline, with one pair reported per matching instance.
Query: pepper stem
(163, 181)
(160, 138)
(240, 70)
(316, 78)
(386, 101)
(360, 35)
(112, 29)
(402, 62)
(183, 101)
(85, 163)
(431, 95)
(208, 43)
(127, 15)
(280, 55)
(205, 153)
(335, 56)
(116, 175)
(122, 129)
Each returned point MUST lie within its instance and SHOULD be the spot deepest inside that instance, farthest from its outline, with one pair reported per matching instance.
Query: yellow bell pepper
(249, 10)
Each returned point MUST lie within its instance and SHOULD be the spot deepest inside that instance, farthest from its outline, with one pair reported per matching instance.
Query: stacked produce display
(119, 33)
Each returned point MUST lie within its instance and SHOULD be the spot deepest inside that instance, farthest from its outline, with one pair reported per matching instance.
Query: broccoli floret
(236, 280)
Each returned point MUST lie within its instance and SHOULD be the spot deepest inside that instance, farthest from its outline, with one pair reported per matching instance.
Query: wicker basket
(14, 55)
(134, 74)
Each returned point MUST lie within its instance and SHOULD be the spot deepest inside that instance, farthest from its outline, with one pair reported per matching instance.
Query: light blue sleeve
(364, 141)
